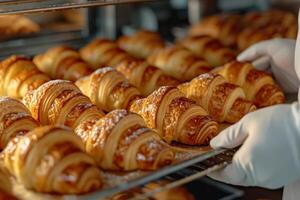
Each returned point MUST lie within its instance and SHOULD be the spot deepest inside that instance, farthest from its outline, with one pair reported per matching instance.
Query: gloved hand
(270, 154)
(277, 55)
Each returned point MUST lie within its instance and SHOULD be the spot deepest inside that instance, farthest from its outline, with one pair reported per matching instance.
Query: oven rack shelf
(179, 174)
(32, 6)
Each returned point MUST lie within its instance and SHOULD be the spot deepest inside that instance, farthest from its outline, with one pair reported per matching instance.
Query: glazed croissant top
(258, 86)
(142, 43)
(18, 75)
(15, 119)
(60, 102)
(121, 141)
(51, 159)
(103, 52)
(108, 89)
(211, 49)
(222, 100)
(179, 63)
(62, 62)
(175, 117)
(145, 77)
(224, 27)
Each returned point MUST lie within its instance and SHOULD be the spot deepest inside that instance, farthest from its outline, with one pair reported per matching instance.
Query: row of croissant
(241, 31)
(122, 117)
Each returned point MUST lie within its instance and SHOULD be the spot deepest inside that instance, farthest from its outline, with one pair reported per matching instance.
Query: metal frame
(30, 6)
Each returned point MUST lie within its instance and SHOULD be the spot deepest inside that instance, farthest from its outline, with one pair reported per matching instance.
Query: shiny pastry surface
(60, 102)
(62, 62)
(175, 117)
(224, 101)
(121, 141)
(18, 75)
(51, 159)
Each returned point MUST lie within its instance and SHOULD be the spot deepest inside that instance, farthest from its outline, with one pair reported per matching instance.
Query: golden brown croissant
(103, 52)
(179, 63)
(16, 25)
(178, 193)
(271, 17)
(62, 62)
(60, 102)
(211, 49)
(121, 141)
(175, 117)
(252, 35)
(145, 77)
(222, 100)
(51, 159)
(18, 75)
(15, 119)
(258, 86)
(141, 44)
(223, 27)
(108, 89)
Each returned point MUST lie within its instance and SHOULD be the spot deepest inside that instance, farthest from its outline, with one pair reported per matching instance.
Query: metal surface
(181, 173)
(31, 6)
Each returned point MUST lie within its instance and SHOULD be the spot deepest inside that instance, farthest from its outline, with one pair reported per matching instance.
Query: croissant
(271, 17)
(15, 119)
(60, 102)
(18, 75)
(179, 63)
(211, 49)
(224, 27)
(175, 117)
(141, 44)
(103, 52)
(62, 62)
(108, 89)
(145, 77)
(178, 193)
(121, 141)
(51, 159)
(258, 86)
(222, 100)
(16, 25)
(252, 35)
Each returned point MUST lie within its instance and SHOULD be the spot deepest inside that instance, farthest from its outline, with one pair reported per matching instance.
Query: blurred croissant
(141, 44)
(259, 86)
(175, 117)
(15, 119)
(18, 75)
(103, 52)
(60, 102)
(16, 25)
(121, 141)
(224, 27)
(62, 62)
(179, 63)
(211, 49)
(145, 77)
(222, 100)
(108, 89)
(51, 159)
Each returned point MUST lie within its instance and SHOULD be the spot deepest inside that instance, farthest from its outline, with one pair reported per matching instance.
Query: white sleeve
(297, 55)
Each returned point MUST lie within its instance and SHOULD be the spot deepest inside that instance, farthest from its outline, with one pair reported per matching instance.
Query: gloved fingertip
(215, 143)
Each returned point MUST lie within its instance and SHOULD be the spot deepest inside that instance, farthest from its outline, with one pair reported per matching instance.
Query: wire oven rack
(30, 6)
(178, 174)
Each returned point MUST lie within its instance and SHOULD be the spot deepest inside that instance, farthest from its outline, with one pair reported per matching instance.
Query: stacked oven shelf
(177, 174)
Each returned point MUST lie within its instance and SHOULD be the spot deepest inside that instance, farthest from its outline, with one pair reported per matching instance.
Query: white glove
(277, 55)
(270, 154)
